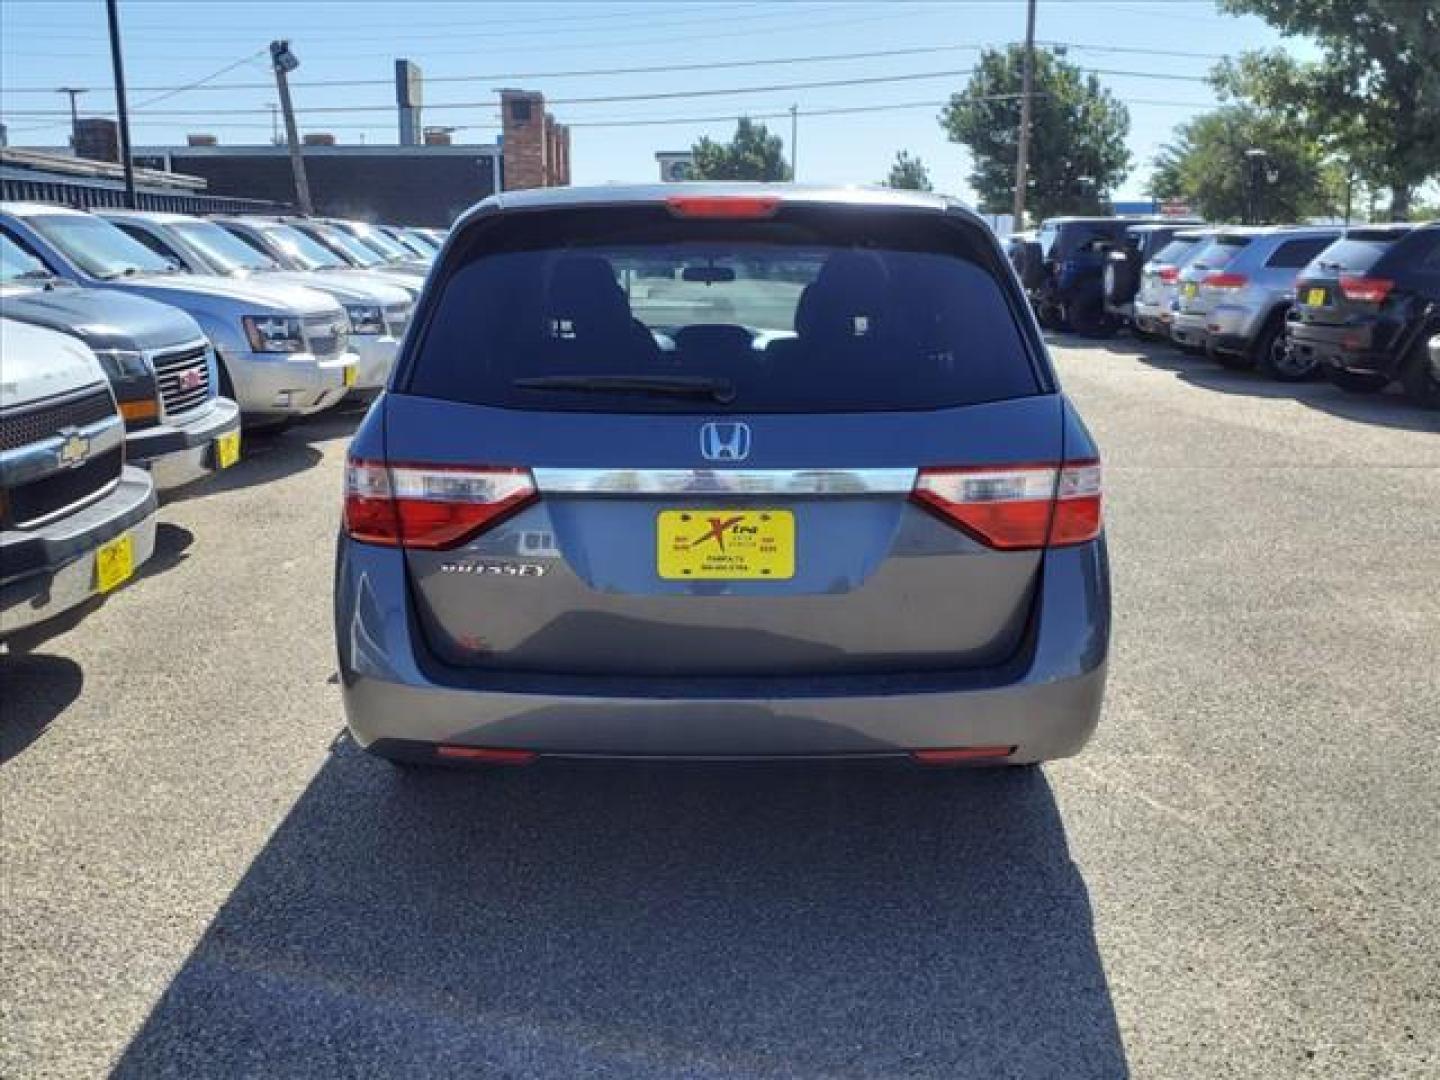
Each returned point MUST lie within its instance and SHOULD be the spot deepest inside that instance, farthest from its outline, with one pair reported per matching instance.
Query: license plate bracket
(725, 544)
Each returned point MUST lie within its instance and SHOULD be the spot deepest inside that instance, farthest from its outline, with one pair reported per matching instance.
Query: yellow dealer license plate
(348, 377)
(700, 545)
(227, 449)
(114, 563)
(1191, 290)
(1315, 298)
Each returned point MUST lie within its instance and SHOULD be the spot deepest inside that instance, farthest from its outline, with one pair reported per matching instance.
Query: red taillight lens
(961, 755)
(1169, 274)
(429, 507)
(1226, 281)
(1017, 507)
(1367, 290)
(733, 207)
(485, 755)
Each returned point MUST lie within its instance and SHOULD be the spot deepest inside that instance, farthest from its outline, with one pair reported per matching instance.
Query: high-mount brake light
(723, 207)
(1017, 507)
(429, 507)
(1367, 290)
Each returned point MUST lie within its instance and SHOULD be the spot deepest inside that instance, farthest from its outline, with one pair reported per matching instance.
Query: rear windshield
(1174, 251)
(1358, 251)
(801, 314)
(1220, 251)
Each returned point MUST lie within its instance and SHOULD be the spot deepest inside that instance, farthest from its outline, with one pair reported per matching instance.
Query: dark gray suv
(722, 471)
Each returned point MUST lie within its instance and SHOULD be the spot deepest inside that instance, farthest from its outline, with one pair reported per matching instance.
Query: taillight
(1017, 507)
(1169, 274)
(1367, 290)
(1226, 281)
(429, 506)
(732, 207)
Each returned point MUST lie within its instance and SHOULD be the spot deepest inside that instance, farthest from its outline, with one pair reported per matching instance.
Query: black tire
(1229, 361)
(1276, 360)
(1088, 319)
(1421, 381)
(1357, 382)
(1032, 265)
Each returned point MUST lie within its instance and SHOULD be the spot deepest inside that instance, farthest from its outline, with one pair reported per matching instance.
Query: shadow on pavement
(172, 545)
(1390, 409)
(34, 690)
(649, 921)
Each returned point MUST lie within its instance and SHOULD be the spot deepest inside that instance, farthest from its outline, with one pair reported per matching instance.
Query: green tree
(1208, 165)
(909, 174)
(1077, 134)
(1373, 98)
(753, 154)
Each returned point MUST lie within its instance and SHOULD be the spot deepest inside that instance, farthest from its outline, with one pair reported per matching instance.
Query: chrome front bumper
(287, 385)
(183, 451)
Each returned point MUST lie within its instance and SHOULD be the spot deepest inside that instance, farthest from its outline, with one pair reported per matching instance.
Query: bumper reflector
(960, 755)
(486, 755)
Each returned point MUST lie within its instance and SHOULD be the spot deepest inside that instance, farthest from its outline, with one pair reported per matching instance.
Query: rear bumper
(1148, 317)
(183, 451)
(1348, 348)
(1188, 329)
(1046, 703)
(50, 570)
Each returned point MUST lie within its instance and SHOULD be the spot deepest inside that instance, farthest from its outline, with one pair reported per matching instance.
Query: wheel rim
(1284, 359)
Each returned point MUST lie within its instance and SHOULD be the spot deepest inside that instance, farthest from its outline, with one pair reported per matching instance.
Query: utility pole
(284, 62)
(74, 92)
(121, 106)
(794, 142)
(1022, 154)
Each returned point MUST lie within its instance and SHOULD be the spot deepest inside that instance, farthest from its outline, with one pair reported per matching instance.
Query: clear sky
(1153, 55)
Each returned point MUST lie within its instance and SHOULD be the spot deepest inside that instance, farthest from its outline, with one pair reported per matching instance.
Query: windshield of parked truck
(383, 246)
(339, 239)
(222, 247)
(17, 264)
(305, 251)
(97, 247)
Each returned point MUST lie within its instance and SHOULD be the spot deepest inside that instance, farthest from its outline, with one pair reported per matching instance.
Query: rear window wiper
(721, 390)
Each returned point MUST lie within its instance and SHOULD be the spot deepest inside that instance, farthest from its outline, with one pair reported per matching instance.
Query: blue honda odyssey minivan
(722, 471)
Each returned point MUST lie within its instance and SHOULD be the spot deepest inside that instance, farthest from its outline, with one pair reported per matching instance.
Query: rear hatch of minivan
(724, 437)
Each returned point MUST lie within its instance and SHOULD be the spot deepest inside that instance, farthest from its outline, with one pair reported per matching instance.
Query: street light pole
(794, 141)
(1254, 164)
(122, 108)
(284, 62)
(74, 92)
(1022, 154)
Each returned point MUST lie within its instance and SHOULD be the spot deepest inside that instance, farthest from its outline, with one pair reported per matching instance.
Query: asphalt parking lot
(201, 877)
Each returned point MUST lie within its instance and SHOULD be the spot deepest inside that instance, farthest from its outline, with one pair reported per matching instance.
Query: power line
(200, 82)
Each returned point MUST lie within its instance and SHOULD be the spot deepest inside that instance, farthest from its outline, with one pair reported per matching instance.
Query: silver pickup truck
(159, 363)
(75, 520)
(284, 350)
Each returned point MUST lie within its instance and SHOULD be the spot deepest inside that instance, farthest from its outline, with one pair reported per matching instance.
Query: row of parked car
(1358, 304)
(133, 348)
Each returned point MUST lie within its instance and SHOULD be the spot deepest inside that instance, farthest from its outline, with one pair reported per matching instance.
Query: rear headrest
(846, 299)
(584, 291)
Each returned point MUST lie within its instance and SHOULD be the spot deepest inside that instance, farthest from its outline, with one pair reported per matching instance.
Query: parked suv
(161, 368)
(396, 255)
(1155, 296)
(284, 350)
(1067, 289)
(1366, 307)
(75, 520)
(378, 312)
(1242, 299)
(815, 492)
(360, 256)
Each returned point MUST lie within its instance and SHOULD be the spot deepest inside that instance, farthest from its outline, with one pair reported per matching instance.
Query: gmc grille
(183, 377)
(70, 487)
(33, 423)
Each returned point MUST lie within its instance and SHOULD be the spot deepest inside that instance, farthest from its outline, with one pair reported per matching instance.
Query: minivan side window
(1294, 254)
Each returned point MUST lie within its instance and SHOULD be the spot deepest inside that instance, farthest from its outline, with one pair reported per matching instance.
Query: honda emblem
(725, 442)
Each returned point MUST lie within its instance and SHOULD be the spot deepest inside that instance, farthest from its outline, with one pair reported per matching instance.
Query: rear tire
(1275, 358)
(1357, 382)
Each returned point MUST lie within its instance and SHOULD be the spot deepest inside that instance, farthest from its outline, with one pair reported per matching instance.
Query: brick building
(536, 148)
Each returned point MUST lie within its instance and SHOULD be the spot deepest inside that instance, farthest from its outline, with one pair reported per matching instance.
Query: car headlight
(122, 363)
(365, 318)
(274, 333)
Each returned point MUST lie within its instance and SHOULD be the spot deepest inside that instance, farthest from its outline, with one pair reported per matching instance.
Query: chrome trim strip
(725, 481)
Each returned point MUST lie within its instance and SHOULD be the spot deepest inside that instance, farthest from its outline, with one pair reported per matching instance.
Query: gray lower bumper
(1047, 710)
(179, 453)
(58, 560)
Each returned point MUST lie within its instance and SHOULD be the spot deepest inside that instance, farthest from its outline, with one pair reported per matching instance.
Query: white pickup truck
(75, 520)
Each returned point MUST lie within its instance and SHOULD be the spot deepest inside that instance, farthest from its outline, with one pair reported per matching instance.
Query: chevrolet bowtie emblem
(74, 450)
